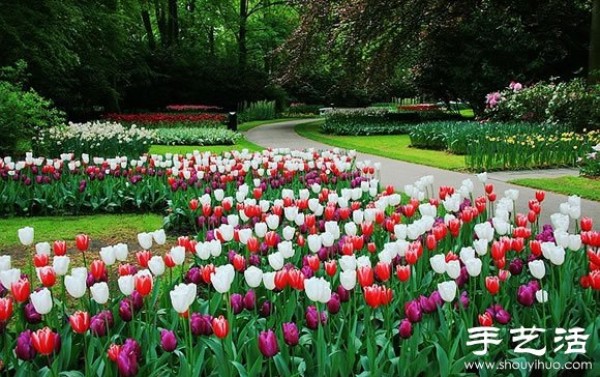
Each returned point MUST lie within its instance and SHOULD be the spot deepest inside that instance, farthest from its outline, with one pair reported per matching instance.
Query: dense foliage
(169, 120)
(23, 113)
(505, 146)
(375, 121)
(259, 110)
(571, 103)
(589, 164)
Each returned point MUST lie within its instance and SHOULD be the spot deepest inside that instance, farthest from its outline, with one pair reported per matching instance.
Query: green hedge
(196, 136)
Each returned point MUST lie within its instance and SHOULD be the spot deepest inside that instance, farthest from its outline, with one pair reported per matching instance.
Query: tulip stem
(85, 349)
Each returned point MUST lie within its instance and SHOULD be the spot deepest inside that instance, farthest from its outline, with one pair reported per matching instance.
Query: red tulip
(45, 340)
(296, 279)
(21, 290)
(489, 188)
(80, 321)
(281, 279)
(365, 276)
(536, 248)
(239, 262)
(143, 257)
(82, 241)
(47, 276)
(60, 248)
(97, 268)
(193, 204)
(371, 247)
(220, 327)
(492, 284)
(347, 248)
(372, 296)
(486, 319)
(367, 228)
(143, 284)
(253, 244)
(271, 239)
(594, 280)
(431, 242)
(411, 255)
(330, 268)
(383, 271)
(257, 193)
(41, 260)
(586, 224)
(454, 226)
(540, 195)
(169, 262)
(6, 309)
(207, 270)
(113, 352)
(313, 262)
(358, 242)
(403, 272)
(386, 296)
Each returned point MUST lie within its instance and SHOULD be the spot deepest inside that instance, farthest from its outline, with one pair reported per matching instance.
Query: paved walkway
(400, 173)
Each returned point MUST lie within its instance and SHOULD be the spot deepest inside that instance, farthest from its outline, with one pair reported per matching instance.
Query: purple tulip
(463, 300)
(137, 300)
(201, 324)
(101, 322)
(237, 303)
(254, 260)
(24, 348)
(267, 343)
(413, 312)
(516, 266)
(125, 310)
(168, 341)
(437, 298)
(312, 317)
(31, 316)
(343, 294)
(266, 309)
(427, 305)
(333, 305)
(405, 329)
(290, 334)
(127, 361)
(502, 316)
(194, 275)
(250, 300)
(526, 295)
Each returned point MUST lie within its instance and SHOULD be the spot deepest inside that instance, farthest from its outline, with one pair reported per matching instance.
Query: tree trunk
(148, 25)
(173, 22)
(211, 40)
(161, 22)
(243, 31)
(594, 67)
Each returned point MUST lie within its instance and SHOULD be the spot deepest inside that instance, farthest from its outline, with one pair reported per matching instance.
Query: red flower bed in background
(193, 108)
(419, 107)
(149, 118)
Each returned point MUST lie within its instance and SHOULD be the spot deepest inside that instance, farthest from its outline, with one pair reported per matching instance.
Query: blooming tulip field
(291, 263)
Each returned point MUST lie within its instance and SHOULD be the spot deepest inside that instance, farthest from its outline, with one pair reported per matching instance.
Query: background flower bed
(196, 136)
(505, 146)
(364, 122)
(94, 138)
(169, 120)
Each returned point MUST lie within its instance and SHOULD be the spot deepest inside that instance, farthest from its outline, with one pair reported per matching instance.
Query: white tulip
(574, 242)
(108, 256)
(244, 235)
(100, 292)
(183, 296)
(26, 235)
(42, 248)
(276, 260)
(327, 239)
(348, 279)
(156, 264)
(537, 269)
(447, 290)
(260, 229)
(288, 233)
(481, 246)
(269, 280)
(438, 263)
(541, 296)
(222, 278)
(453, 269)
(178, 255)
(473, 266)
(350, 229)
(5, 262)
(314, 242)
(10, 276)
(467, 253)
(286, 249)
(121, 250)
(348, 262)
(126, 284)
(61, 265)
(317, 289)
(41, 301)
(253, 276)
(272, 222)
(160, 237)
(145, 240)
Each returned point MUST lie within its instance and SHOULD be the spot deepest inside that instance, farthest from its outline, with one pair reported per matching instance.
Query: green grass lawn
(396, 147)
(99, 227)
(255, 123)
(585, 187)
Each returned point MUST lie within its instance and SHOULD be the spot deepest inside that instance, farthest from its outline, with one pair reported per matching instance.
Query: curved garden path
(400, 173)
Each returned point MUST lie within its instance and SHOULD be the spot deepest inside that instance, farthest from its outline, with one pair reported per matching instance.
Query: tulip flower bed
(186, 108)
(96, 138)
(505, 146)
(39, 186)
(317, 282)
(196, 136)
(168, 120)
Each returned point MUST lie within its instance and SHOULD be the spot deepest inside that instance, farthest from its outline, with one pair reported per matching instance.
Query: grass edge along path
(586, 188)
(242, 143)
(396, 147)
